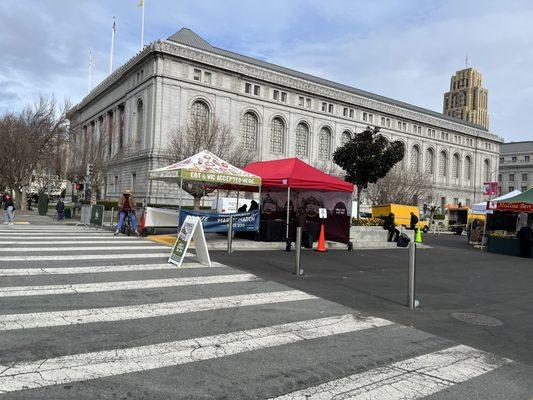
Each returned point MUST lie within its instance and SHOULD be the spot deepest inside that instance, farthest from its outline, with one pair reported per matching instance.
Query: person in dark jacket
(254, 205)
(414, 221)
(242, 208)
(9, 207)
(60, 209)
(390, 226)
(525, 235)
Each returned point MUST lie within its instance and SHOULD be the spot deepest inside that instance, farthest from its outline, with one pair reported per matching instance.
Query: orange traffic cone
(321, 240)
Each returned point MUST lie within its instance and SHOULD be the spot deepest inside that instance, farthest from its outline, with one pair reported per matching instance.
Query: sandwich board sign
(190, 230)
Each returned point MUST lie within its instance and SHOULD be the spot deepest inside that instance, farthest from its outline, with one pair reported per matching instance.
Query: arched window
(302, 140)
(443, 164)
(140, 121)
(199, 113)
(430, 161)
(455, 166)
(415, 158)
(277, 135)
(324, 144)
(249, 131)
(486, 170)
(346, 137)
(468, 167)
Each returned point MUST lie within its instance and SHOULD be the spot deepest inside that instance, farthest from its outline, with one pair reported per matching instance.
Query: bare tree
(30, 139)
(93, 146)
(401, 187)
(207, 134)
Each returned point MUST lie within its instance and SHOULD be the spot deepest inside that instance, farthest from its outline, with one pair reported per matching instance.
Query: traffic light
(79, 186)
(90, 170)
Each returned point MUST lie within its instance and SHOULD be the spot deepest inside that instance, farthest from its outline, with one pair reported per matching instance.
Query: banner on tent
(338, 207)
(242, 222)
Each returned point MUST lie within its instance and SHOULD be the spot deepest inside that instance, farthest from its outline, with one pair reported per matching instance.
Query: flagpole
(112, 45)
(142, 25)
(90, 67)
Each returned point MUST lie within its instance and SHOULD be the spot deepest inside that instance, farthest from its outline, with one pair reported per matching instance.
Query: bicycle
(126, 224)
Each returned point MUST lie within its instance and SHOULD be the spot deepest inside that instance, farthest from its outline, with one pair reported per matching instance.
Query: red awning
(296, 174)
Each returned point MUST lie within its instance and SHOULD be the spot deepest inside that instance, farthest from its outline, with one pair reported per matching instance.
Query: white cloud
(405, 49)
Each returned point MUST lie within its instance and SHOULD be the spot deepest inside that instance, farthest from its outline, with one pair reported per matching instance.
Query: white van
(228, 205)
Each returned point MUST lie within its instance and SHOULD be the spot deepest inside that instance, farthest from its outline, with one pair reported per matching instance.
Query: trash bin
(68, 213)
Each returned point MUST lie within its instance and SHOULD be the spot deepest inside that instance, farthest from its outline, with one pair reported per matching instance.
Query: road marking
(62, 235)
(94, 241)
(413, 378)
(79, 367)
(109, 237)
(107, 314)
(13, 291)
(73, 257)
(82, 248)
(101, 269)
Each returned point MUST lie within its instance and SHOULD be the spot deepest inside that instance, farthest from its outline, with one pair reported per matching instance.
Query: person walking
(60, 209)
(390, 226)
(9, 208)
(127, 209)
(414, 221)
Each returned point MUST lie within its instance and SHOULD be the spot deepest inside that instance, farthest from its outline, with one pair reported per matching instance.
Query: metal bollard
(230, 234)
(112, 217)
(412, 276)
(298, 246)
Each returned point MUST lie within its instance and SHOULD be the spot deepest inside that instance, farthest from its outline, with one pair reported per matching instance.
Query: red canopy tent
(307, 182)
(296, 174)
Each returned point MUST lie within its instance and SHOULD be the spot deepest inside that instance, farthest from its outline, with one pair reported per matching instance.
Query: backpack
(403, 240)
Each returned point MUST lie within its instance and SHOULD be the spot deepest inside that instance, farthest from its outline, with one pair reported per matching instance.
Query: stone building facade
(276, 111)
(516, 166)
(467, 99)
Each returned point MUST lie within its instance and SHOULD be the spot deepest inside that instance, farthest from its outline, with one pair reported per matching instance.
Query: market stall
(213, 174)
(293, 190)
(509, 228)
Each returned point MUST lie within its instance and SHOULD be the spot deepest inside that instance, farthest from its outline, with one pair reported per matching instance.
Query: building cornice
(267, 75)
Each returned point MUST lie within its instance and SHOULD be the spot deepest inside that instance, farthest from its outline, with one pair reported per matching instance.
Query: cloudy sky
(403, 49)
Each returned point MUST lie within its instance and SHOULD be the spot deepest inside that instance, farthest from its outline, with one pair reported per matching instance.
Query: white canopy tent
(481, 208)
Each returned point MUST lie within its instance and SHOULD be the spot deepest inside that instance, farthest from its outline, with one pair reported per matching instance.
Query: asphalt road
(86, 315)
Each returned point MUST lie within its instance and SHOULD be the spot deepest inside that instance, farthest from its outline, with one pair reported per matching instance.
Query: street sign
(190, 230)
(322, 213)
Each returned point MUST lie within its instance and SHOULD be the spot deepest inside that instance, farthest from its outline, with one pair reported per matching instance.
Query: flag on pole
(114, 26)
(141, 3)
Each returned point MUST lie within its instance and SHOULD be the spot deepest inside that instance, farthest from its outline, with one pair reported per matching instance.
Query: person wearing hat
(127, 208)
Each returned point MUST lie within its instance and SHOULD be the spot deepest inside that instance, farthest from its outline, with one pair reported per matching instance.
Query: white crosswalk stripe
(80, 248)
(74, 257)
(77, 367)
(15, 291)
(56, 237)
(109, 241)
(107, 314)
(100, 269)
(413, 378)
(230, 313)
